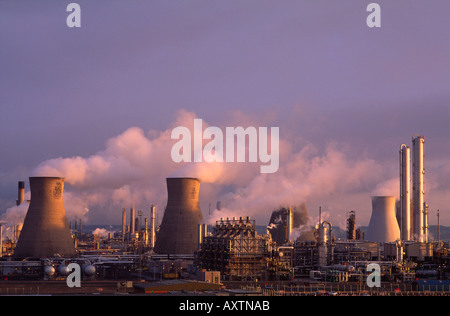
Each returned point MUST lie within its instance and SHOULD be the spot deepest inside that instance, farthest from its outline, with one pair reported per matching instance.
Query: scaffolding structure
(236, 250)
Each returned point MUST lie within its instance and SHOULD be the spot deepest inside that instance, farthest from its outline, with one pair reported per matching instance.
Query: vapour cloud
(132, 168)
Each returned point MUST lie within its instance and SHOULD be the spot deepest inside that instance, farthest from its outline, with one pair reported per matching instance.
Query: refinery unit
(184, 248)
(235, 250)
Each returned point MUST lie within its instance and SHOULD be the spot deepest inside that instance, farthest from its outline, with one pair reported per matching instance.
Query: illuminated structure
(45, 231)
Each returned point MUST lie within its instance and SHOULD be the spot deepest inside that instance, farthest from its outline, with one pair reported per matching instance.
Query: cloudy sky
(97, 104)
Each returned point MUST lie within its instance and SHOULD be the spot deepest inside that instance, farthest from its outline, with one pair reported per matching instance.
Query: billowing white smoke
(133, 166)
(14, 216)
(303, 176)
(102, 232)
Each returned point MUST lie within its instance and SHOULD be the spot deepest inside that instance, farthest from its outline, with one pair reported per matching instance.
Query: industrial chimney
(405, 192)
(132, 223)
(152, 226)
(45, 230)
(419, 205)
(383, 226)
(178, 233)
(20, 193)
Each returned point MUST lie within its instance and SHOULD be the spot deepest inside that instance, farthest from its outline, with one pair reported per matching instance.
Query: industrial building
(236, 250)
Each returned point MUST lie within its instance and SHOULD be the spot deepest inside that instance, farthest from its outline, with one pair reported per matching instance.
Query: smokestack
(202, 233)
(45, 230)
(146, 231)
(351, 226)
(21, 193)
(1, 239)
(178, 233)
(383, 226)
(420, 231)
(290, 223)
(124, 219)
(152, 226)
(132, 222)
(405, 192)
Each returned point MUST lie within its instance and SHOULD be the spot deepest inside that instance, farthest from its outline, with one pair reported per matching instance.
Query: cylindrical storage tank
(178, 233)
(383, 226)
(45, 232)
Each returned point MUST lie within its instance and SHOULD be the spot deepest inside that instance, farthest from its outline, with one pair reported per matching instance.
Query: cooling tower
(383, 226)
(178, 233)
(45, 230)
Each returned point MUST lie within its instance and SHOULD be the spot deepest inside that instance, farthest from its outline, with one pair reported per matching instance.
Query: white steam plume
(133, 166)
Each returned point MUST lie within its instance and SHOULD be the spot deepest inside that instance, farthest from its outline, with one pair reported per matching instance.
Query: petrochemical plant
(234, 256)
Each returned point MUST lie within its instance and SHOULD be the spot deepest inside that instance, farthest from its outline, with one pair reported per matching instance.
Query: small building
(208, 276)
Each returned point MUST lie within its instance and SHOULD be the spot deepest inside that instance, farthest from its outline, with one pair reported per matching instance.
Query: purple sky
(349, 94)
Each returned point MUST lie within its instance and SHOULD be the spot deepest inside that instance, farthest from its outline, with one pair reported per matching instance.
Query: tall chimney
(132, 222)
(1, 239)
(178, 233)
(146, 231)
(20, 193)
(289, 223)
(124, 218)
(405, 192)
(152, 226)
(420, 230)
(45, 230)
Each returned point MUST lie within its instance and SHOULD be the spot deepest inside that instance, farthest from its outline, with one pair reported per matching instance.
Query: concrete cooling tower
(45, 230)
(383, 226)
(178, 233)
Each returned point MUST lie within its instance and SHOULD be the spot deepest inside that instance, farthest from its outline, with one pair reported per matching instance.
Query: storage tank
(383, 226)
(178, 233)
(45, 230)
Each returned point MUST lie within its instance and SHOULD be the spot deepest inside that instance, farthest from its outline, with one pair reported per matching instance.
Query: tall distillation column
(419, 214)
(405, 192)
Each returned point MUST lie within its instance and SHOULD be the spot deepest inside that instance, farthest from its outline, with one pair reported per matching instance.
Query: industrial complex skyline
(97, 104)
